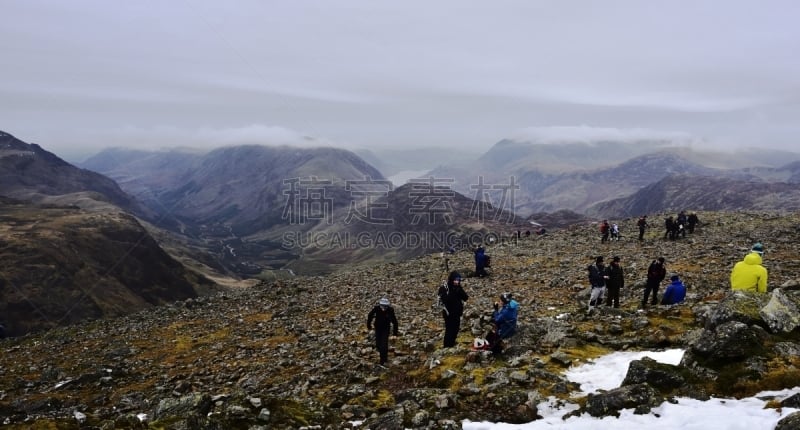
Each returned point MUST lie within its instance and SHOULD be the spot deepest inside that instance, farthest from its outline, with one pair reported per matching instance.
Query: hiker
(615, 282)
(675, 292)
(452, 297)
(642, 224)
(615, 232)
(749, 274)
(656, 273)
(604, 230)
(681, 225)
(669, 227)
(383, 316)
(480, 262)
(597, 279)
(505, 315)
(691, 222)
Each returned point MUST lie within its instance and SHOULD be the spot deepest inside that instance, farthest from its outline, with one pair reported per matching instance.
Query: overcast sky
(82, 74)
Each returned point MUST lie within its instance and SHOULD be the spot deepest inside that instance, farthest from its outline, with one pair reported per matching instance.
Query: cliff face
(296, 353)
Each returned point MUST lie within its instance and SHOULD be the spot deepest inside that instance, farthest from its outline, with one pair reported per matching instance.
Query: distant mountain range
(233, 201)
(579, 176)
(704, 193)
(255, 207)
(261, 211)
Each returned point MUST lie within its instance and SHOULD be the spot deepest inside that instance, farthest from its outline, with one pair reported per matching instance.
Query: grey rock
(781, 313)
(613, 401)
(661, 376)
(790, 422)
(196, 404)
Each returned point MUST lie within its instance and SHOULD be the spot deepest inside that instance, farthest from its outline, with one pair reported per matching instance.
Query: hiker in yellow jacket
(749, 274)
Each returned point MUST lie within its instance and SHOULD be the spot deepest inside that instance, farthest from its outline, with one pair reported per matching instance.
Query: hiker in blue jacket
(480, 262)
(675, 292)
(506, 316)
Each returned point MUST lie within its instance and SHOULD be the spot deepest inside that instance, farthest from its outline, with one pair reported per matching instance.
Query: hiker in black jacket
(597, 279)
(656, 273)
(383, 315)
(615, 282)
(452, 297)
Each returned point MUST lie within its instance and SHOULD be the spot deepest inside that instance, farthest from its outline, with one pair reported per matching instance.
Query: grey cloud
(92, 72)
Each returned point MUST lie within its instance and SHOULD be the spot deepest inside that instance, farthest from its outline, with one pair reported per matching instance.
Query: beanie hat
(674, 278)
(453, 275)
(383, 302)
(758, 247)
(505, 297)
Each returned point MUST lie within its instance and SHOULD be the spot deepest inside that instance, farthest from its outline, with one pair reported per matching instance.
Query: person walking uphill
(615, 282)
(452, 297)
(655, 275)
(383, 316)
(749, 274)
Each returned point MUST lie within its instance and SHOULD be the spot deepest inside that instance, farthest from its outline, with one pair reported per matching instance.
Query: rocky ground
(296, 353)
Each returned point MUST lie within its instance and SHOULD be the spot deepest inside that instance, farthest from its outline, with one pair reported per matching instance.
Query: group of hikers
(606, 283)
(747, 275)
(451, 297)
(675, 227)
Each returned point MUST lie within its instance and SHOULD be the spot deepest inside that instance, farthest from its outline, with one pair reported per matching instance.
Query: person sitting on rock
(383, 315)
(749, 274)
(506, 316)
(675, 292)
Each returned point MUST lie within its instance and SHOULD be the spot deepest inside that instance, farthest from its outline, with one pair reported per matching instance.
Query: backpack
(441, 294)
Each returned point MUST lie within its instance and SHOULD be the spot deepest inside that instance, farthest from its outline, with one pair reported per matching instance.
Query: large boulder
(731, 340)
(743, 307)
(781, 313)
(661, 376)
(641, 397)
